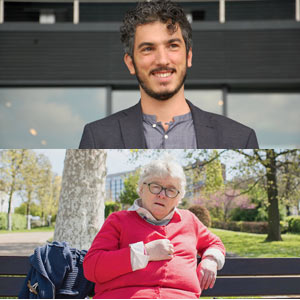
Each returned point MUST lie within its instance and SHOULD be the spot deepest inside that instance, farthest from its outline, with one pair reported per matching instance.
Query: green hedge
(251, 227)
(293, 224)
(111, 207)
(18, 221)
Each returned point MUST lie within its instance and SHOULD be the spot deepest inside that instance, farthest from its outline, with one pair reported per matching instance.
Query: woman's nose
(162, 193)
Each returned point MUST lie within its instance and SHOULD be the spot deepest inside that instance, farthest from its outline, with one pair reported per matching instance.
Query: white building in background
(115, 185)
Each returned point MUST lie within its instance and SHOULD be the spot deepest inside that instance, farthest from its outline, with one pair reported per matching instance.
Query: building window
(275, 117)
(48, 117)
(37, 11)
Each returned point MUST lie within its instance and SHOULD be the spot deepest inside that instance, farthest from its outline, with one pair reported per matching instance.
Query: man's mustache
(162, 69)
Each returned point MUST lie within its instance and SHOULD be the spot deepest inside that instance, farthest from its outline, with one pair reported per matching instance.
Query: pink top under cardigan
(108, 264)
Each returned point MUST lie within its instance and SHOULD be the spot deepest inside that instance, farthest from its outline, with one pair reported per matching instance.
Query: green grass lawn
(254, 245)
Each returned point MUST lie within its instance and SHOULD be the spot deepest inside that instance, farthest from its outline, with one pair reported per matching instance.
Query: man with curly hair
(157, 40)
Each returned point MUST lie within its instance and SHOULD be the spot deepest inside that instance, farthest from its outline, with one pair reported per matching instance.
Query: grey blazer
(124, 130)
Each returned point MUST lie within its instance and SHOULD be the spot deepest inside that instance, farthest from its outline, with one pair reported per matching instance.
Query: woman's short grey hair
(146, 12)
(163, 168)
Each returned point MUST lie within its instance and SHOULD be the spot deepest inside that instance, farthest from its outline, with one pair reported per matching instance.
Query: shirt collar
(151, 119)
(145, 214)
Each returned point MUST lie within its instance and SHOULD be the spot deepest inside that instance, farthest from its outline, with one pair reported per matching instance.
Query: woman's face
(160, 205)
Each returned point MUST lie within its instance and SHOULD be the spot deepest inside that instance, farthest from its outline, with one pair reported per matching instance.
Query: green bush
(111, 207)
(3, 221)
(251, 227)
(18, 221)
(202, 214)
(284, 226)
(293, 224)
(242, 214)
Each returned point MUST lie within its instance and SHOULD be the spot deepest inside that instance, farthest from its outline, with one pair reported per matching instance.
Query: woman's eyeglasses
(156, 189)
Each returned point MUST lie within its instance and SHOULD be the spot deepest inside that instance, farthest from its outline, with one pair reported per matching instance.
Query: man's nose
(162, 57)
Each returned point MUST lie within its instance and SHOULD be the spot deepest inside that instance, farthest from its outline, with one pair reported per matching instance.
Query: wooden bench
(239, 277)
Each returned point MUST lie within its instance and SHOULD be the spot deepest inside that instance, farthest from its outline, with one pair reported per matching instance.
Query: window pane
(275, 117)
(209, 100)
(48, 117)
(124, 99)
(260, 10)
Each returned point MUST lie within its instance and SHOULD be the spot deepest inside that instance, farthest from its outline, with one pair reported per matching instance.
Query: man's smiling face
(159, 60)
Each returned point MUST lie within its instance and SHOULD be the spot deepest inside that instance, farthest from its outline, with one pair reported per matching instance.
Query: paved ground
(22, 244)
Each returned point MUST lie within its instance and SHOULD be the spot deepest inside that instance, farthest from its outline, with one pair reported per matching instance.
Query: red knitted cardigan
(108, 264)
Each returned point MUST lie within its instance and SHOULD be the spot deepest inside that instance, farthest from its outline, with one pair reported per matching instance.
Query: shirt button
(166, 137)
(153, 125)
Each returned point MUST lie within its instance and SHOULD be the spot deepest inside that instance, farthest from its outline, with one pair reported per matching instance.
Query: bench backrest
(257, 277)
(239, 277)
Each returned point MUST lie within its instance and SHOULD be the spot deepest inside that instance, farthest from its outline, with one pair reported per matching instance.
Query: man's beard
(159, 95)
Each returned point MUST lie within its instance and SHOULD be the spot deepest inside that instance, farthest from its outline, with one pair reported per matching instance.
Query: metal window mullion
(222, 11)
(108, 100)
(224, 99)
(1, 11)
(76, 11)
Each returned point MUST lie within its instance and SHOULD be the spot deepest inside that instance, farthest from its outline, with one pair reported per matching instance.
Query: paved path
(23, 243)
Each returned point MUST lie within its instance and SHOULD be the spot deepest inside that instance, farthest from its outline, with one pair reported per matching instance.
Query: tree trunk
(28, 211)
(81, 204)
(272, 190)
(9, 213)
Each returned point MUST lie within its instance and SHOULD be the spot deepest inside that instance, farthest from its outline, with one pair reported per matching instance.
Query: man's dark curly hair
(146, 12)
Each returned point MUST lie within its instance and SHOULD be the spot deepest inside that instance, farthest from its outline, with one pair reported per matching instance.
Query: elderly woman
(150, 251)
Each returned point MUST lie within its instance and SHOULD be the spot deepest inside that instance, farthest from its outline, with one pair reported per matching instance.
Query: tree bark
(272, 190)
(28, 210)
(81, 205)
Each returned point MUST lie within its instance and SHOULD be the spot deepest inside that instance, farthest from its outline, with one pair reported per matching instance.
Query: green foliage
(252, 227)
(35, 210)
(3, 221)
(202, 214)
(294, 224)
(214, 181)
(241, 214)
(18, 221)
(29, 174)
(111, 207)
(129, 194)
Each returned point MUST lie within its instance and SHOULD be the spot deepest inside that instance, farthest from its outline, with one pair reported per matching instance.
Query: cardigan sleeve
(105, 260)
(209, 244)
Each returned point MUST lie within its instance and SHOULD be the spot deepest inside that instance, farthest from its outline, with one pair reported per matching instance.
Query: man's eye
(147, 49)
(173, 46)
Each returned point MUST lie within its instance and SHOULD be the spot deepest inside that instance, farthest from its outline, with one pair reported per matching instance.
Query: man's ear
(189, 58)
(129, 63)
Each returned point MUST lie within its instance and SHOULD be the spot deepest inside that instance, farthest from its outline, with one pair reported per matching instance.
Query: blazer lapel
(132, 128)
(206, 134)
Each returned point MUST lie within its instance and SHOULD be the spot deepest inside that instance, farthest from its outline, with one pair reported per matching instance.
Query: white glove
(161, 249)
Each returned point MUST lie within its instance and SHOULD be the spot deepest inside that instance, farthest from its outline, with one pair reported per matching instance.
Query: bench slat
(14, 265)
(254, 286)
(260, 266)
(11, 286)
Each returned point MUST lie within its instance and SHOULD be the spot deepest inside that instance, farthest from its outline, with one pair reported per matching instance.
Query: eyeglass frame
(162, 189)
